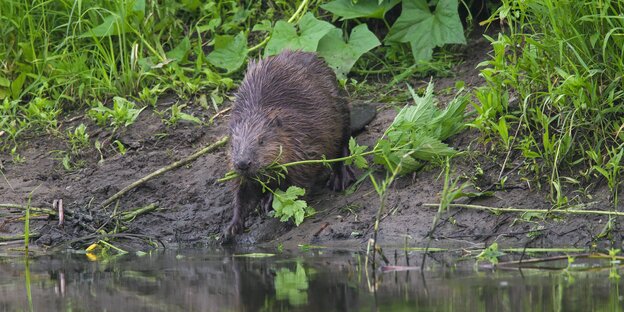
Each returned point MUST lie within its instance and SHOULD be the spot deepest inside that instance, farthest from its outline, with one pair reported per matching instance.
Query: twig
(509, 209)
(223, 111)
(557, 258)
(160, 171)
(130, 215)
(6, 238)
(22, 207)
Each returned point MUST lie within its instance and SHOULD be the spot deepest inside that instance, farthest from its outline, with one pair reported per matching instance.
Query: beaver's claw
(235, 227)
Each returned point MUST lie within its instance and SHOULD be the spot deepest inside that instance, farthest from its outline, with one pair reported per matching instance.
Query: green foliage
(78, 139)
(230, 52)
(357, 151)
(563, 61)
(66, 53)
(177, 114)
(123, 113)
(490, 254)
(341, 55)
(417, 132)
(287, 206)
(348, 9)
(425, 30)
(285, 36)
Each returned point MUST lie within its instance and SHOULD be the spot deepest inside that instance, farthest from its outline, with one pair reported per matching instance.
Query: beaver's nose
(243, 165)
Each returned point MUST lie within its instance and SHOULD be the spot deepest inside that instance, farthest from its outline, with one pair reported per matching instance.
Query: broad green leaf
(347, 9)
(425, 30)
(189, 117)
(287, 206)
(340, 55)
(139, 8)
(230, 52)
(356, 149)
(180, 52)
(111, 25)
(4, 82)
(17, 84)
(285, 35)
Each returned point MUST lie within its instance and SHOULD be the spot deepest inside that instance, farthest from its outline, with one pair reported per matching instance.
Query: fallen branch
(130, 215)
(509, 209)
(36, 209)
(160, 171)
(6, 238)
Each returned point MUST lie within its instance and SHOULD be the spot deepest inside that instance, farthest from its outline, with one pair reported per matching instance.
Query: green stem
(304, 4)
(35, 209)
(565, 211)
(232, 175)
(293, 18)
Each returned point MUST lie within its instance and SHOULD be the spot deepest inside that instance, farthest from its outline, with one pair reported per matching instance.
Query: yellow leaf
(91, 247)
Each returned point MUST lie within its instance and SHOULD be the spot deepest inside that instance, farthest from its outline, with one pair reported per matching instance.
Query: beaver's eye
(261, 141)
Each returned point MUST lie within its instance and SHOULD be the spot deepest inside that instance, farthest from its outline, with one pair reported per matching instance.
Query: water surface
(318, 280)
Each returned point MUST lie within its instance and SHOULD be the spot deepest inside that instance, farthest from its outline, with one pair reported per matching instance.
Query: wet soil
(193, 207)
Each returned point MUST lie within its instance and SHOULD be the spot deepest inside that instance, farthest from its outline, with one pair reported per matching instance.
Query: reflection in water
(213, 280)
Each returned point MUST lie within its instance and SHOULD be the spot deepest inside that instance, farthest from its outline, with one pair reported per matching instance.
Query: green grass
(562, 61)
(112, 57)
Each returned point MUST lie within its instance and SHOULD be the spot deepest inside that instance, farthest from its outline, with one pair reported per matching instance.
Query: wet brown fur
(288, 108)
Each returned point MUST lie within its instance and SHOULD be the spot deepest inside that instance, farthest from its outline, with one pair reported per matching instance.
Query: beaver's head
(255, 142)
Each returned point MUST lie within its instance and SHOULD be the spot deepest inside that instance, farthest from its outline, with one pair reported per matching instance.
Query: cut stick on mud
(160, 171)
(20, 237)
(510, 209)
(35, 209)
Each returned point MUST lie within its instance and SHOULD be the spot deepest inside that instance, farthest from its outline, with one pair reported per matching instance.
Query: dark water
(319, 280)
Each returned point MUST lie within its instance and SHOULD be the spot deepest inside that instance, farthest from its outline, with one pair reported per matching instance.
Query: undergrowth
(562, 62)
(113, 58)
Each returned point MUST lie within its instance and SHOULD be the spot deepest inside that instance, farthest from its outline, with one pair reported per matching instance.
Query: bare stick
(509, 209)
(160, 171)
(36, 209)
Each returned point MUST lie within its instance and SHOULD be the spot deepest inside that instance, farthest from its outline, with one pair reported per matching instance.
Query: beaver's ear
(276, 122)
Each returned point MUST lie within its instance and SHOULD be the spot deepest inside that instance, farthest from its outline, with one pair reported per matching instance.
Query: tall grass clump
(563, 62)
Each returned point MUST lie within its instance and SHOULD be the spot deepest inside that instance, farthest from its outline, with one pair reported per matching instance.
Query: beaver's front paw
(235, 227)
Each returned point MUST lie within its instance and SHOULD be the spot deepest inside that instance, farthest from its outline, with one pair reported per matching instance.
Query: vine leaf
(285, 35)
(230, 52)
(287, 205)
(346, 9)
(180, 52)
(356, 149)
(425, 30)
(341, 55)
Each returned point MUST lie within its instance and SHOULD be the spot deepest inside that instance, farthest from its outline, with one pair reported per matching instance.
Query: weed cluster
(563, 61)
(109, 55)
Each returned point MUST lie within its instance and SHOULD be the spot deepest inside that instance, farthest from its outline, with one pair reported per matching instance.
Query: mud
(193, 207)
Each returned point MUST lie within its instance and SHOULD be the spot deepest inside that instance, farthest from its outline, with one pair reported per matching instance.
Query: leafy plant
(177, 115)
(285, 36)
(424, 29)
(78, 139)
(123, 113)
(230, 52)
(287, 206)
(563, 61)
(348, 9)
(341, 55)
(490, 254)
(417, 132)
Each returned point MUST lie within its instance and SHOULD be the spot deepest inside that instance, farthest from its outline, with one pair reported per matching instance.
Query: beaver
(288, 108)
